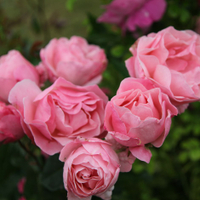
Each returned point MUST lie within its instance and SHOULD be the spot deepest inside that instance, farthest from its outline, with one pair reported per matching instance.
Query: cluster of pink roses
(65, 118)
(73, 115)
(132, 14)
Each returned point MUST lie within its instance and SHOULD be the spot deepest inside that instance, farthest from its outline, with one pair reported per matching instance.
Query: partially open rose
(75, 60)
(60, 113)
(138, 115)
(91, 168)
(171, 59)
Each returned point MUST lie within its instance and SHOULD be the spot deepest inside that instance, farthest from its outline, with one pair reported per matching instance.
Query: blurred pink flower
(21, 184)
(10, 126)
(106, 90)
(22, 198)
(131, 14)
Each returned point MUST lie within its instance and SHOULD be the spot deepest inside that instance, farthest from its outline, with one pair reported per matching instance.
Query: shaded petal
(141, 153)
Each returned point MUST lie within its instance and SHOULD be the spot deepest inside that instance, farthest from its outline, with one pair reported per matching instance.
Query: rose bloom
(171, 59)
(91, 168)
(13, 68)
(60, 113)
(10, 125)
(75, 60)
(139, 115)
(131, 14)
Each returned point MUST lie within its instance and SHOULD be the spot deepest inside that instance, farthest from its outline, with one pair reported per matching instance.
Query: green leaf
(191, 143)
(52, 175)
(117, 51)
(70, 4)
(195, 154)
(184, 15)
(173, 10)
(183, 156)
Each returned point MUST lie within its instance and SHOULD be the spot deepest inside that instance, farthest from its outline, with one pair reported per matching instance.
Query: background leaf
(52, 175)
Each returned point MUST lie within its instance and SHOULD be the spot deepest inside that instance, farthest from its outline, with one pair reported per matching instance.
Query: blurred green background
(174, 170)
(30, 18)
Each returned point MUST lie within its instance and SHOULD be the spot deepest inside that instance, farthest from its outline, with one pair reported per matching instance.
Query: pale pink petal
(141, 153)
(5, 86)
(23, 89)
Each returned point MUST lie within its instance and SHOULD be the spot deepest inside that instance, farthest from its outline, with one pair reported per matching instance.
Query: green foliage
(174, 167)
(70, 4)
(174, 170)
(52, 175)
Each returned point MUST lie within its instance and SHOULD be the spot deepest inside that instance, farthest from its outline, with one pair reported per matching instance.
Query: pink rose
(60, 113)
(91, 168)
(131, 14)
(139, 115)
(13, 68)
(171, 59)
(146, 15)
(10, 126)
(75, 60)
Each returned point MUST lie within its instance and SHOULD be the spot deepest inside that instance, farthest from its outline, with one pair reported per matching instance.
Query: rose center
(89, 178)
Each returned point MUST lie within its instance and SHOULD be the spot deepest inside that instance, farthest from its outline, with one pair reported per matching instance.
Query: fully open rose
(138, 115)
(10, 126)
(171, 59)
(74, 59)
(91, 168)
(13, 68)
(61, 112)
